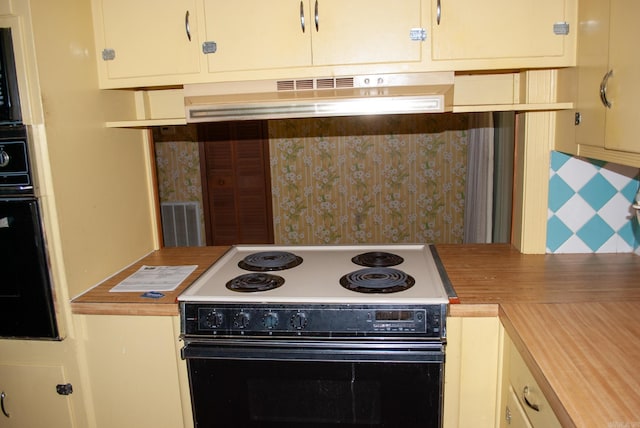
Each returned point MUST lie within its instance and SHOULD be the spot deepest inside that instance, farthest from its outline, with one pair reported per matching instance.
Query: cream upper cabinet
(471, 34)
(259, 35)
(253, 34)
(145, 42)
(29, 398)
(608, 85)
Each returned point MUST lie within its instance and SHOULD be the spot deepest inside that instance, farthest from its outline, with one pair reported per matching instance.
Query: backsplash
(590, 207)
(369, 179)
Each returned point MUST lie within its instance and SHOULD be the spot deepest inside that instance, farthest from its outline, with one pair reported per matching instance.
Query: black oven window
(313, 401)
(303, 394)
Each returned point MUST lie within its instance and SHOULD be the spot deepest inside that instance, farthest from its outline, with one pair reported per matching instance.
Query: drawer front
(528, 393)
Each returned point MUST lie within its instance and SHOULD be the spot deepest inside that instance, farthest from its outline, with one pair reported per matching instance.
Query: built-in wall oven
(304, 336)
(26, 297)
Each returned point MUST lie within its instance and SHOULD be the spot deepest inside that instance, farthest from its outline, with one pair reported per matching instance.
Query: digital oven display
(394, 315)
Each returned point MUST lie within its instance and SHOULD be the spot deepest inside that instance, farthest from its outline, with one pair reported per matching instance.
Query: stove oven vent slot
(181, 224)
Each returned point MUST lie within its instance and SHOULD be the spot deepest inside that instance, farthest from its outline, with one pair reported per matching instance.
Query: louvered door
(236, 182)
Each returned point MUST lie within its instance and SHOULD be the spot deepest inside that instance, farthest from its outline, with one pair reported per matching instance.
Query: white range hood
(320, 97)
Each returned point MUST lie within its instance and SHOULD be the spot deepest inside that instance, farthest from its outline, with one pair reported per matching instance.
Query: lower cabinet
(487, 383)
(136, 376)
(524, 405)
(472, 371)
(29, 398)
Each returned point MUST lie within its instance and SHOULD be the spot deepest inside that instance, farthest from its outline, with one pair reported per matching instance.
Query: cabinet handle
(2, 397)
(187, 26)
(438, 12)
(603, 89)
(302, 16)
(525, 392)
(317, 16)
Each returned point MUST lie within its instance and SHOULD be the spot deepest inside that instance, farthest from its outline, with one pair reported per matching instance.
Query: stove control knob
(270, 320)
(241, 320)
(213, 319)
(299, 320)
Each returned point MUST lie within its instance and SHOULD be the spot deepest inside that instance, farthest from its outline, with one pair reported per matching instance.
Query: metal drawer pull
(525, 392)
(187, 26)
(317, 17)
(2, 397)
(438, 12)
(603, 89)
(302, 16)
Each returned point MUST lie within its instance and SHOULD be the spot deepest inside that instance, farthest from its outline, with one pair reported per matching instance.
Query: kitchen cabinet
(524, 405)
(258, 35)
(499, 34)
(137, 378)
(473, 365)
(608, 85)
(29, 398)
(199, 41)
(145, 42)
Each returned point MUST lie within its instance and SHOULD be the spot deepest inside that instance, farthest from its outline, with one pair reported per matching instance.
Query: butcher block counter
(100, 301)
(574, 318)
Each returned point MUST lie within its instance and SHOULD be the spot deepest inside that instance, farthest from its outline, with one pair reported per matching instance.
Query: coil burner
(377, 259)
(255, 282)
(266, 261)
(377, 280)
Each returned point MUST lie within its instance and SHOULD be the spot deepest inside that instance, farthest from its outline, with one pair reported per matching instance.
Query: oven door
(315, 384)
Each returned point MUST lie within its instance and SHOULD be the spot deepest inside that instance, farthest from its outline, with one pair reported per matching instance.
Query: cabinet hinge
(561, 28)
(578, 118)
(64, 389)
(418, 34)
(209, 47)
(108, 54)
(507, 415)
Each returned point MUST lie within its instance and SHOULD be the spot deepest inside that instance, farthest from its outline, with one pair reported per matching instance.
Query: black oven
(373, 367)
(306, 385)
(26, 296)
(10, 112)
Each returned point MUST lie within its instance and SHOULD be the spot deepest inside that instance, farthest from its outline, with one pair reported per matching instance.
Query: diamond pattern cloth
(590, 206)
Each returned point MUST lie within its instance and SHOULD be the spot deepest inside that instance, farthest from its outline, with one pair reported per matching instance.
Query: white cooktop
(317, 279)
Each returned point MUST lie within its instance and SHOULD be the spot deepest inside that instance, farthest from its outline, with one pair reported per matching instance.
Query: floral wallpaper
(178, 166)
(346, 180)
(369, 179)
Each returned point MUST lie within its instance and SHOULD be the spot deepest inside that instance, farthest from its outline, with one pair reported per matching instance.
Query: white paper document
(155, 278)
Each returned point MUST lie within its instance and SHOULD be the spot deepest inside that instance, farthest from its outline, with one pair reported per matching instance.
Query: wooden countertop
(585, 358)
(99, 300)
(487, 275)
(574, 318)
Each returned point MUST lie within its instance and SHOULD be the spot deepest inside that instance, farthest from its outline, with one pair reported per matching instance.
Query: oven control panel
(202, 319)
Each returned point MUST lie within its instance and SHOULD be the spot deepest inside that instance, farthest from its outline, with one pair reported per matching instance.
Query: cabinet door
(499, 29)
(623, 88)
(136, 374)
(30, 398)
(365, 31)
(258, 35)
(147, 39)
(593, 63)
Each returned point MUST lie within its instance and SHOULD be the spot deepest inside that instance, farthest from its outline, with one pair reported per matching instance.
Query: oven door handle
(352, 352)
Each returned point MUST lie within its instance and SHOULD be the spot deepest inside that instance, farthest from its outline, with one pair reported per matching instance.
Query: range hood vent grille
(311, 84)
(318, 97)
